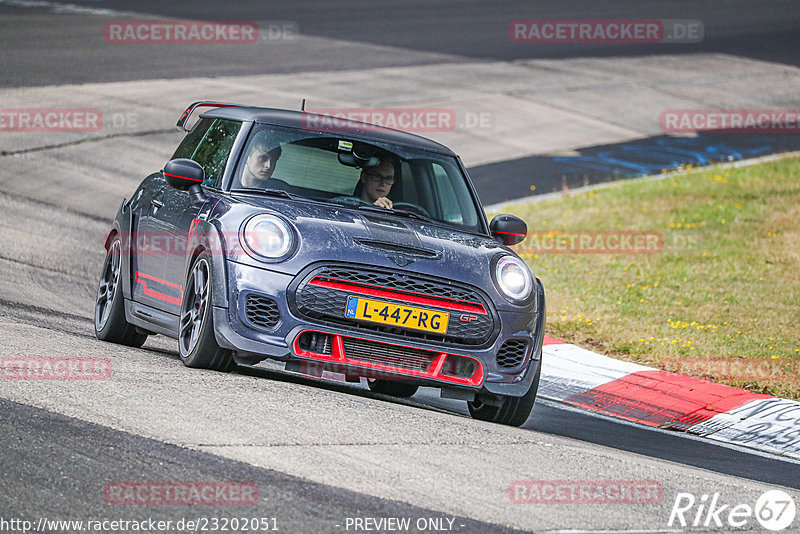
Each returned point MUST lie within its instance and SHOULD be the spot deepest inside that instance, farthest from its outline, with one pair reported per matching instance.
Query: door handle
(156, 203)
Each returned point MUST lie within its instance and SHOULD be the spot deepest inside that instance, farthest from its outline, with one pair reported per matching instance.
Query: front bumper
(448, 365)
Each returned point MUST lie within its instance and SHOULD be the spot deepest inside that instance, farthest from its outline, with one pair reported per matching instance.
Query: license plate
(412, 317)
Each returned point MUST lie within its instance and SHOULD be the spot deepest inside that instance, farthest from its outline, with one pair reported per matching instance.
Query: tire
(505, 410)
(109, 308)
(395, 389)
(197, 345)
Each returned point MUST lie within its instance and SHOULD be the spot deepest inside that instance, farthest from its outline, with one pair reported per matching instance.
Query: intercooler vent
(393, 355)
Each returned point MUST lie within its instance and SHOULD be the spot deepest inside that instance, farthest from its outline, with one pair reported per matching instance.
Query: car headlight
(268, 236)
(513, 278)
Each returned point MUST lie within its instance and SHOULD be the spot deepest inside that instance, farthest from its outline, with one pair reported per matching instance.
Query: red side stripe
(142, 277)
(192, 227)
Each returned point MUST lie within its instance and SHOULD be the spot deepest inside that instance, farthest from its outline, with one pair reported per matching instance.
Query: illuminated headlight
(513, 278)
(268, 236)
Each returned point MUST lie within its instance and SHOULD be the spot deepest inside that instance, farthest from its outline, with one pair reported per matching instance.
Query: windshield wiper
(267, 191)
(401, 213)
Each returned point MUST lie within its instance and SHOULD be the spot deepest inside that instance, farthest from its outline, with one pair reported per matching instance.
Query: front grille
(329, 304)
(381, 353)
(362, 357)
(262, 311)
(399, 282)
(512, 353)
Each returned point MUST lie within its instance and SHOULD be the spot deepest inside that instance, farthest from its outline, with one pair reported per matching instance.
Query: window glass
(330, 167)
(190, 140)
(451, 211)
(315, 168)
(209, 144)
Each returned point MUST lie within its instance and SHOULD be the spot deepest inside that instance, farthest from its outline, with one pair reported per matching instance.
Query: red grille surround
(436, 367)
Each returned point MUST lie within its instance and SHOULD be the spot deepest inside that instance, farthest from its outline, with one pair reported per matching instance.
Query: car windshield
(333, 168)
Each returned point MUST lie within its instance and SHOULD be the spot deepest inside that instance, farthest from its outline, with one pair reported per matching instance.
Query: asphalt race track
(52, 46)
(321, 452)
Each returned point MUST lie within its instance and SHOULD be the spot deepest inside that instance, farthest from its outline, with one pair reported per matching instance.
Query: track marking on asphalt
(68, 8)
(81, 141)
(749, 162)
(557, 404)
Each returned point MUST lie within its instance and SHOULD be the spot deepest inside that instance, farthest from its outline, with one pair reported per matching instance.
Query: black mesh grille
(329, 304)
(381, 353)
(512, 353)
(400, 282)
(262, 311)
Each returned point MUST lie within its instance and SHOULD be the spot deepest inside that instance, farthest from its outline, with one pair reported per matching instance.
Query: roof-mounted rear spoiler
(186, 114)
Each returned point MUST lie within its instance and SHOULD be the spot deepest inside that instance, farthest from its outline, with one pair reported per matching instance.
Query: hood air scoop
(395, 237)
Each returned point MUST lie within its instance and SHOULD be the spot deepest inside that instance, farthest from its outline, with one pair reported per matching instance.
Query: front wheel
(197, 344)
(505, 410)
(109, 308)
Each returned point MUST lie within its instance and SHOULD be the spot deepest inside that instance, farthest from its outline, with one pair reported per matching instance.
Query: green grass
(719, 301)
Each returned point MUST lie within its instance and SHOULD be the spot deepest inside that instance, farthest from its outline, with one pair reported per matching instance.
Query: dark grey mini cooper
(330, 245)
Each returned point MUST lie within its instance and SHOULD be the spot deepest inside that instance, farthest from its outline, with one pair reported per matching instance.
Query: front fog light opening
(316, 342)
(459, 366)
(513, 278)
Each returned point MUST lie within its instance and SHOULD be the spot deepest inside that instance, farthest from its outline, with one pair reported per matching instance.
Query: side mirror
(509, 229)
(183, 173)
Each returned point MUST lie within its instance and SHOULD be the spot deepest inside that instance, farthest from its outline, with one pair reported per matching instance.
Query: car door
(149, 286)
(179, 209)
(148, 256)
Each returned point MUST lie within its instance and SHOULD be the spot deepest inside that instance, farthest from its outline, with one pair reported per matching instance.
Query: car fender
(520, 388)
(205, 235)
(123, 226)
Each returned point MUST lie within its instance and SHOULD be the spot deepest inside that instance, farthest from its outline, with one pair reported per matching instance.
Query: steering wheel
(349, 201)
(410, 206)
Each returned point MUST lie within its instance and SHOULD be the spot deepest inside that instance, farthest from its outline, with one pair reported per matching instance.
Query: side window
(209, 144)
(213, 151)
(451, 211)
(409, 187)
(192, 139)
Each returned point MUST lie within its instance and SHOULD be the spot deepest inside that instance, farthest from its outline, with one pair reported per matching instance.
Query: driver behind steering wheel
(376, 182)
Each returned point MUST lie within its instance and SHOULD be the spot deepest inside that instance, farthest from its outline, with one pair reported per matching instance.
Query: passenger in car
(376, 183)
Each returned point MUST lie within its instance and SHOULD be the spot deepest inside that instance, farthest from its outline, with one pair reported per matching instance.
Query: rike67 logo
(774, 510)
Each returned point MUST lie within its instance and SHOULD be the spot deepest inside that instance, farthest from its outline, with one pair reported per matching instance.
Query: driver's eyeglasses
(375, 178)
